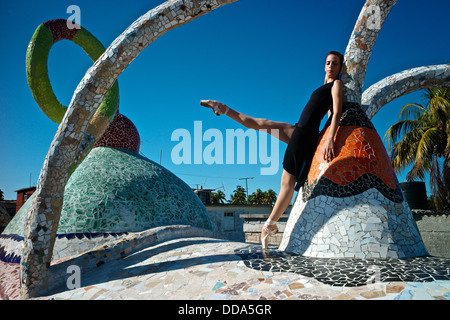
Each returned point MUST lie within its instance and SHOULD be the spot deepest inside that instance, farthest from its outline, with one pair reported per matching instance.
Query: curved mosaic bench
(114, 248)
(353, 206)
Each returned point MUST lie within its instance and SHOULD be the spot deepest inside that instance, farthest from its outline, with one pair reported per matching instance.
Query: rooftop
(179, 263)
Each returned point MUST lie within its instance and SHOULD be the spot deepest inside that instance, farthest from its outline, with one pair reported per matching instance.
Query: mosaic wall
(113, 249)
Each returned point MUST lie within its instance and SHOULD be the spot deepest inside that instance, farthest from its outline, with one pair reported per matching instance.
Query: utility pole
(246, 185)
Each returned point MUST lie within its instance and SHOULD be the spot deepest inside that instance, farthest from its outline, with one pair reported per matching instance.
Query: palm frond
(411, 111)
(439, 102)
(431, 93)
(401, 128)
(424, 153)
(403, 153)
(427, 145)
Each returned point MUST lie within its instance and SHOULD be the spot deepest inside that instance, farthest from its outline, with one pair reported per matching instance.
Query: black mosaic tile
(365, 182)
(349, 272)
(352, 115)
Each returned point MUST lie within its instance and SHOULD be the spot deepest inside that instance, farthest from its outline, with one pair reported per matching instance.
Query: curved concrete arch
(42, 221)
(360, 46)
(399, 84)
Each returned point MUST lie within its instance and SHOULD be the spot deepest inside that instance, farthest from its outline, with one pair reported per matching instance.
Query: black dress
(302, 145)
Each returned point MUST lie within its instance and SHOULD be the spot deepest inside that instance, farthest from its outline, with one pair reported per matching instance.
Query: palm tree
(251, 198)
(218, 197)
(256, 197)
(262, 197)
(239, 196)
(270, 196)
(425, 144)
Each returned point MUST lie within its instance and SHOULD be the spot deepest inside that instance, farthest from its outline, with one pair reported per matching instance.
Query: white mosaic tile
(374, 228)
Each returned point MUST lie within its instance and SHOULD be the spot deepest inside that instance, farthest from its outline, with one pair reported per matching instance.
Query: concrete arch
(399, 84)
(360, 46)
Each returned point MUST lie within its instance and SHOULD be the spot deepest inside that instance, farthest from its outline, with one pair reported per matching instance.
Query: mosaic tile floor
(202, 268)
(351, 272)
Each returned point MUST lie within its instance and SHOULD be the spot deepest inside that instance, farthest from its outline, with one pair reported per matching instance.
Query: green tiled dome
(117, 190)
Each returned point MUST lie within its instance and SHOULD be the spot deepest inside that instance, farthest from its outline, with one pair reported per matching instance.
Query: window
(228, 221)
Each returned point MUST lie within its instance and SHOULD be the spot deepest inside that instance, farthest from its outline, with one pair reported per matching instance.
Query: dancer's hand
(328, 150)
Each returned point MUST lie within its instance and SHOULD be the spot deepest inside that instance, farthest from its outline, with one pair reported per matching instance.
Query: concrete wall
(253, 224)
(435, 232)
(228, 221)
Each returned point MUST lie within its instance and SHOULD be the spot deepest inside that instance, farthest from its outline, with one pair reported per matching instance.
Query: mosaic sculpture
(353, 206)
(45, 36)
(71, 140)
(112, 193)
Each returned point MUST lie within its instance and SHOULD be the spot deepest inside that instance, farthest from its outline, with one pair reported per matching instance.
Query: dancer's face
(332, 66)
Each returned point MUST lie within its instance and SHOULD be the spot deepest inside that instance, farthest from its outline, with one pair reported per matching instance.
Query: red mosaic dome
(121, 133)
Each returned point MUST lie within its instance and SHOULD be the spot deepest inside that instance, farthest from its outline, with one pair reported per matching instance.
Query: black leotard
(303, 142)
(318, 105)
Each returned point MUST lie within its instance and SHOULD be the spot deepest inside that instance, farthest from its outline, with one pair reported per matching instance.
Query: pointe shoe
(218, 107)
(267, 230)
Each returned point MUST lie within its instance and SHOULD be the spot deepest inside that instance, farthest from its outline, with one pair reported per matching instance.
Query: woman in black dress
(302, 138)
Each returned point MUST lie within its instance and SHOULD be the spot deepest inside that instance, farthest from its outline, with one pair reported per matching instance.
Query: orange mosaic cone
(352, 206)
(361, 162)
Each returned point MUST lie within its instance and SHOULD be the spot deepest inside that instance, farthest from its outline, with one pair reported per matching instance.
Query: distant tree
(239, 196)
(251, 198)
(218, 197)
(256, 197)
(270, 196)
(262, 197)
(1, 195)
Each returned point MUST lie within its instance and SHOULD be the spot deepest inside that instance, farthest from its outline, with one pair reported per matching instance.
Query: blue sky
(262, 57)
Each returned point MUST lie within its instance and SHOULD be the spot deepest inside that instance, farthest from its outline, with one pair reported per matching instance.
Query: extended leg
(283, 200)
(285, 195)
(284, 132)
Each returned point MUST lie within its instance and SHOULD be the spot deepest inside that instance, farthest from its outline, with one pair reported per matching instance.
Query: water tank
(415, 194)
